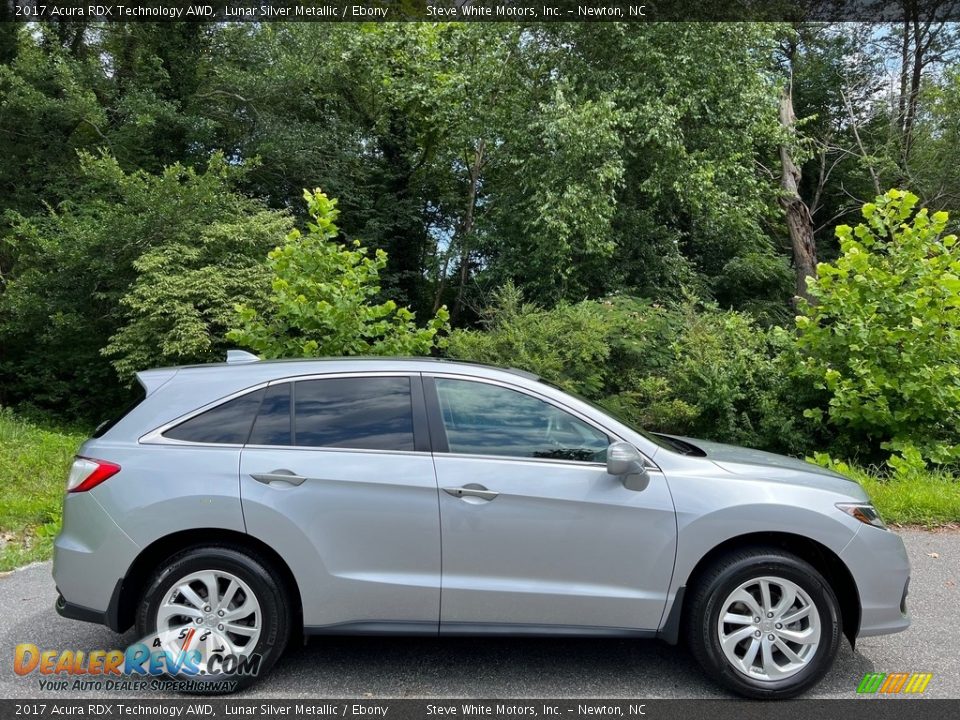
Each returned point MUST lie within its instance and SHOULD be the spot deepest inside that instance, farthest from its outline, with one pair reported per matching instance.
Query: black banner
(372, 709)
(484, 10)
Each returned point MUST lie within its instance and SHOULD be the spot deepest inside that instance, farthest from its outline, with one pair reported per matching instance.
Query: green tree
(645, 182)
(321, 301)
(936, 144)
(182, 303)
(47, 111)
(884, 336)
(103, 270)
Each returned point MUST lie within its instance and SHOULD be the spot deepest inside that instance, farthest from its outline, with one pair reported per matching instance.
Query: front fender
(712, 512)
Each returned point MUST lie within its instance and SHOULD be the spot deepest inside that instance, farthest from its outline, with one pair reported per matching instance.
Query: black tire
(263, 581)
(726, 575)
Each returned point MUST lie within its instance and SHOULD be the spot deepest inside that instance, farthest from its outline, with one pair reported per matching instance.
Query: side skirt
(412, 628)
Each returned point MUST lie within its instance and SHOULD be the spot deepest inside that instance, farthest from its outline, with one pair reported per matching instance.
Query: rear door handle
(473, 490)
(282, 475)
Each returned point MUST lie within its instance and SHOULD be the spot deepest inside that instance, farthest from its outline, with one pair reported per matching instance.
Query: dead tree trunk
(799, 221)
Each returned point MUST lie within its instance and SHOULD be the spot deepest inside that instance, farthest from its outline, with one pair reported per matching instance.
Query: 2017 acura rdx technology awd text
(257, 502)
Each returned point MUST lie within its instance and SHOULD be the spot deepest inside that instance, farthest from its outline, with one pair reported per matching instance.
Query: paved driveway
(520, 668)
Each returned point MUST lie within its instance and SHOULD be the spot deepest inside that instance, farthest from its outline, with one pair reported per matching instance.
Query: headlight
(864, 512)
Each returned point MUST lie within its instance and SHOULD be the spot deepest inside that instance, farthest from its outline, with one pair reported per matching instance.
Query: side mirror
(625, 461)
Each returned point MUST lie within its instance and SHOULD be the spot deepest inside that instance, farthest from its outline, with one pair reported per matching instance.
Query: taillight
(87, 473)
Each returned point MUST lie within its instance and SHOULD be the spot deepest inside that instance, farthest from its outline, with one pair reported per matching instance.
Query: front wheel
(219, 617)
(764, 623)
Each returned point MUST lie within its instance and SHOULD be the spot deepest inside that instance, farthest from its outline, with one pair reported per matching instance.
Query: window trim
(438, 433)
(418, 409)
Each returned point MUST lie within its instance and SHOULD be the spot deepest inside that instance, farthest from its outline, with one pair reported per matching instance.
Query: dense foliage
(135, 270)
(686, 369)
(642, 186)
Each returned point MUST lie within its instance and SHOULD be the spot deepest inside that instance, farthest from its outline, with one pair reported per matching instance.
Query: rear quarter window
(226, 424)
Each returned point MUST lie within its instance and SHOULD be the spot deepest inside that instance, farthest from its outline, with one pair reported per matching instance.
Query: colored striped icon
(893, 683)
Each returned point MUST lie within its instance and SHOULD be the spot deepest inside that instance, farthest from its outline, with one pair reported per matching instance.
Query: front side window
(228, 423)
(370, 413)
(482, 419)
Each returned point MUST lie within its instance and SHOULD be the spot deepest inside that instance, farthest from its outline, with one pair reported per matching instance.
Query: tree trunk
(913, 92)
(904, 72)
(799, 221)
(465, 229)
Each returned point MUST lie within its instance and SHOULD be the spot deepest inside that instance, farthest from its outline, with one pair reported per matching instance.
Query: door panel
(559, 545)
(543, 542)
(361, 533)
(351, 501)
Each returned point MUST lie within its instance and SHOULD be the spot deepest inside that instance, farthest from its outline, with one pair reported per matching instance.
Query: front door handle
(282, 475)
(473, 490)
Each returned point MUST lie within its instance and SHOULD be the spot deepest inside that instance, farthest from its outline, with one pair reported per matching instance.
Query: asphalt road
(519, 668)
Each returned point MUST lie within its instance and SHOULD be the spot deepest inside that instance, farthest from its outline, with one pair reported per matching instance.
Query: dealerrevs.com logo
(894, 683)
(180, 661)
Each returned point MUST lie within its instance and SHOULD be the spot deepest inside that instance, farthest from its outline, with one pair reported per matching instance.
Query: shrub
(321, 301)
(182, 302)
(685, 369)
(884, 336)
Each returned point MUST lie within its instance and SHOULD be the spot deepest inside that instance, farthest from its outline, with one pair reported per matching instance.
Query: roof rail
(235, 357)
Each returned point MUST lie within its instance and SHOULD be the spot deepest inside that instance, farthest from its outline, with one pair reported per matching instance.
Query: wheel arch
(134, 583)
(825, 560)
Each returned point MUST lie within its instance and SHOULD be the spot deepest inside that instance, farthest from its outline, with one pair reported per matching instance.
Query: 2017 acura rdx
(256, 502)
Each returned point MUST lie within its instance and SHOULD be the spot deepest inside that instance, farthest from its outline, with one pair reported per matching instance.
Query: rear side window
(370, 413)
(228, 423)
(272, 426)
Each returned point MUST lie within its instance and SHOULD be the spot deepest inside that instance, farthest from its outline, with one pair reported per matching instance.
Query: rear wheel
(221, 610)
(764, 623)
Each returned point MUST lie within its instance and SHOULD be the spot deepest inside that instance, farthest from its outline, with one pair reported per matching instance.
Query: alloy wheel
(212, 611)
(769, 628)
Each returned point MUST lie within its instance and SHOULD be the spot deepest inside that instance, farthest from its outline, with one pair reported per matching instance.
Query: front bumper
(878, 561)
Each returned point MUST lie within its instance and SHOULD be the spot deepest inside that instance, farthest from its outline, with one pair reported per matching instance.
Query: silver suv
(241, 505)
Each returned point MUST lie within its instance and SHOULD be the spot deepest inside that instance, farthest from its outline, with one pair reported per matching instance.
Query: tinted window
(228, 423)
(483, 419)
(272, 426)
(372, 413)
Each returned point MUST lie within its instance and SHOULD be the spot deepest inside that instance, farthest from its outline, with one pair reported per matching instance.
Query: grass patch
(933, 499)
(908, 496)
(33, 464)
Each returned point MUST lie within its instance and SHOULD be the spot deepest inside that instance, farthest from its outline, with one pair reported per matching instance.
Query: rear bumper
(91, 556)
(109, 617)
(878, 561)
